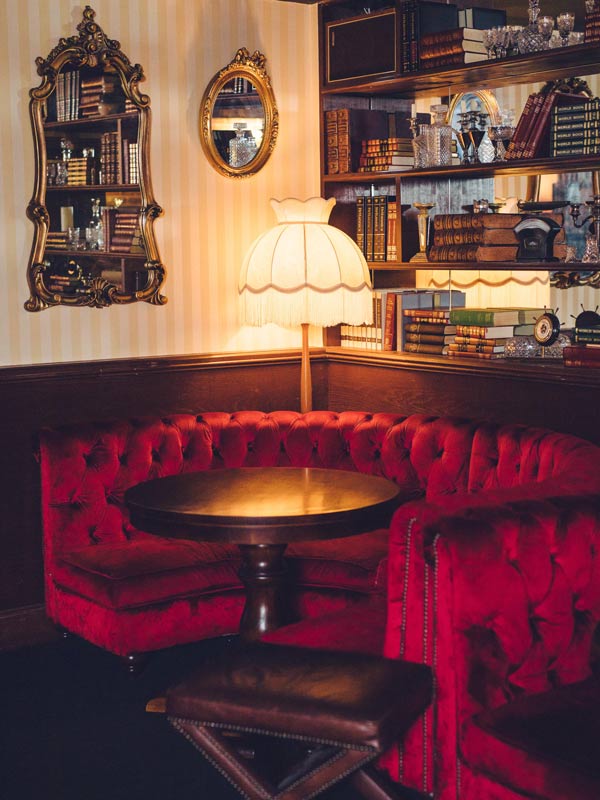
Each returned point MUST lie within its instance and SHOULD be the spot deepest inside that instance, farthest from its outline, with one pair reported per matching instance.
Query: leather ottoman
(288, 722)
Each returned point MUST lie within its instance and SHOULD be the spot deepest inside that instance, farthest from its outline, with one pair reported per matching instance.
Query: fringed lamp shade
(305, 272)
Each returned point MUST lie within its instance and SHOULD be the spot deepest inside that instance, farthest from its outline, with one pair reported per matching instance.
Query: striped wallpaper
(209, 220)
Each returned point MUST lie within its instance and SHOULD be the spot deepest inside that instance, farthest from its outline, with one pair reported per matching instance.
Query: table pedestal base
(263, 575)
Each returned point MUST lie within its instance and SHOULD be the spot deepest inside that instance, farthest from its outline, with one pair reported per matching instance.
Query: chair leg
(375, 785)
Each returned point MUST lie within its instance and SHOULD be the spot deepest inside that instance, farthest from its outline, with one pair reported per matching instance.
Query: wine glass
(565, 23)
(545, 27)
(489, 42)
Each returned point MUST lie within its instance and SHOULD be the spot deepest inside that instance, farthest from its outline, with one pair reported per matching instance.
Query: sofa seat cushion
(544, 744)
(355, 563)
(145, 571)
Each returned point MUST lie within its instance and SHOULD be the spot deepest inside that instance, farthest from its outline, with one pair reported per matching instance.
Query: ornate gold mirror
(239, 121)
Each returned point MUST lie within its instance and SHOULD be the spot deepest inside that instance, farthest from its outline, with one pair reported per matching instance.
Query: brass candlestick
(422, 219)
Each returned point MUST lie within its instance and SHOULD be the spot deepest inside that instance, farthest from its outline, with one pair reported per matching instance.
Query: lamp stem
(305, 379)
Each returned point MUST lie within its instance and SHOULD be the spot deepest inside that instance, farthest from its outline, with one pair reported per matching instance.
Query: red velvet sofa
(492, 577)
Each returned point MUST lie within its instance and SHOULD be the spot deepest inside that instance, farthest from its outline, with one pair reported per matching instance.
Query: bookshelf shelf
(512, 266)
(523, 166)
(91, 129)
(582, 59)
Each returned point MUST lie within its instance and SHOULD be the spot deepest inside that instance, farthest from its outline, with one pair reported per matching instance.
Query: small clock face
(546, 329)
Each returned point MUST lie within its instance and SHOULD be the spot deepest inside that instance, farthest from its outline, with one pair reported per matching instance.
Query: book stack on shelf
(575, 129)
(376, 217)
(386, 155)
(585, 352)
(484, 332)
(592, 22)
(125, 235)
(482, 237)
(93, 89)
(80, 171)
(393, 328)
(57, 240)
(531, 137)
(427, 330)
(67, 95)
(345, 129)
(452, 48)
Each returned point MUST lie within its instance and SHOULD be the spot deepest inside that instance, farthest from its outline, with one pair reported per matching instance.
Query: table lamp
(304, 272)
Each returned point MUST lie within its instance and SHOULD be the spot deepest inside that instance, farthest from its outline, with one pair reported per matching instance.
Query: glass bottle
(94, 232)
(530, 40)
(439, 138)
(419, 143)
(239, 151)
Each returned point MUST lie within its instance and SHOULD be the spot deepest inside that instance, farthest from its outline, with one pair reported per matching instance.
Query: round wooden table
(262, 509)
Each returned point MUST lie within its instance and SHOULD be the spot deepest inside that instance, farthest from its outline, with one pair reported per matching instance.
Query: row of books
(118, 159)
(376, 227)
(78, 97)
(575, 129)
(592, 24)
(387, 330)
(451, 48)
(422, 321)
(482, 237)
(346, 129)
(531, 137)
(419, 19)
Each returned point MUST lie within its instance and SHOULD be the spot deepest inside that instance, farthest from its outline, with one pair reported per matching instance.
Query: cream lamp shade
(304, 272)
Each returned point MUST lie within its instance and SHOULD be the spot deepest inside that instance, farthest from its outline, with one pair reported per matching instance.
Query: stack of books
(484, 332)
(345, 129)
(125, 235)
(482, 237)
(451, 48)
(80, 171)
(592, 22)
(585, 352)
(575, 129)
(427, 331)
(56, 240)
(531, 137)
(386, 155)
(92, 89)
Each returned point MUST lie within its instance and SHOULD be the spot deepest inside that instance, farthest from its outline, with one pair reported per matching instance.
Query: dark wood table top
(263, 505)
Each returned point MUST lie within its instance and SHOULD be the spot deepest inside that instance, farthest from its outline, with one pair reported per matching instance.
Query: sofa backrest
(87, 468)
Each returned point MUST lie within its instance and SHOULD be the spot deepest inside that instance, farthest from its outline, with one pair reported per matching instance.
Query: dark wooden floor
(74, 727)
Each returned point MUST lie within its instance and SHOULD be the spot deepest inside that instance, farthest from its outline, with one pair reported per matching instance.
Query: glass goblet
(565, 23)
(545, 27)
(489, 41)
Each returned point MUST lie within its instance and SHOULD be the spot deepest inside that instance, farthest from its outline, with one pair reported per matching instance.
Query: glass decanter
(239, 150)
(419, 143)
(94, 232)
(439, 138)
(530, 40)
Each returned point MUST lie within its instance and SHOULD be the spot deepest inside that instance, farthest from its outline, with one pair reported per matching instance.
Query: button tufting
(155, 455)
(123, 459)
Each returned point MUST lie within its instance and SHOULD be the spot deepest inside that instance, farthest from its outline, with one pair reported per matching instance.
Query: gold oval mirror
(239, 121)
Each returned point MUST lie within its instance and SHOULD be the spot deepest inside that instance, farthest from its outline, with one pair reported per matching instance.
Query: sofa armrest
(500, 599)
(521, 597)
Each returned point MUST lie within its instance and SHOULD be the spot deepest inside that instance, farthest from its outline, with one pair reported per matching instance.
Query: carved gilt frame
(90, 48)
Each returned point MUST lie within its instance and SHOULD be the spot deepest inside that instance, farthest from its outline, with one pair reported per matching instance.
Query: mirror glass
(238, 117)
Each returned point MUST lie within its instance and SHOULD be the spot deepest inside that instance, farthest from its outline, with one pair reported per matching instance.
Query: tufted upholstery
(129, 591)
